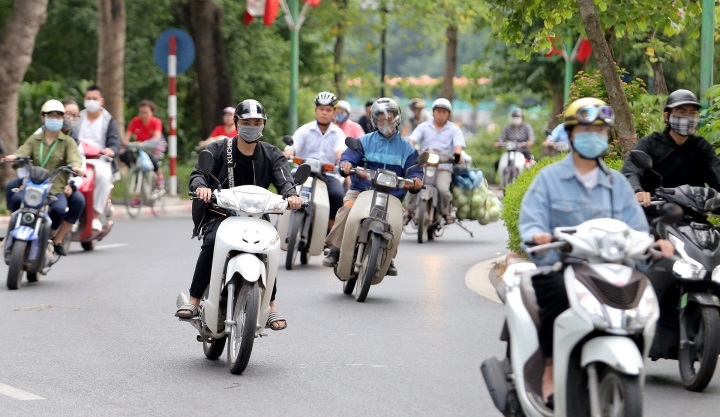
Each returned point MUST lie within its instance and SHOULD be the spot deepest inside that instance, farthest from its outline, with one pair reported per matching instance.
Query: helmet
(250, 109)
(326, 98)
(679, 98)
(342, 104)
(416, 103)
(52, 106)
(588, 111)
(517, 112)
(384, 106)
(229, 110)
(442, 103)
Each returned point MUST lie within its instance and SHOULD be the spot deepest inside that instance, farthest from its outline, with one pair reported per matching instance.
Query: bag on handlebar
(144, 161)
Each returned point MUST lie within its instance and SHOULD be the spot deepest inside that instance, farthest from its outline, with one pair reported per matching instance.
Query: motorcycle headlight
(592, 306)
(646, 310)
(226, 202)
(433, 159)
(278, 207)
(687, 270)
(386, 179)
(28, 218)
(252, 203)
(316, 166)
(511, 145)
(716, 274)
(613, 247)
(33, 197)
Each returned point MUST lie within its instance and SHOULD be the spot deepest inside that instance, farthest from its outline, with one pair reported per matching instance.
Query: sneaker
(59, 249)
(96, 225)
(392, 271)
(332, 258)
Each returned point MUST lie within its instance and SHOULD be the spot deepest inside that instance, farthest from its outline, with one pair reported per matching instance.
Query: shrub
(710, 117)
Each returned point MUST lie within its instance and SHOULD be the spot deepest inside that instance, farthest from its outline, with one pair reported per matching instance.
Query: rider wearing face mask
(342, 120)
(253, 163)
(678, 154)
(567, 193)
(383, 149)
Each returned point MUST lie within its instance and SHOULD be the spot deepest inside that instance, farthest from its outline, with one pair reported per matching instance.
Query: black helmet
(680, 98)
(250, 109)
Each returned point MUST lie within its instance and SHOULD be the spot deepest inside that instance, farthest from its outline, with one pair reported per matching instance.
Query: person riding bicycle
(324, 141)
(225, 130)
(52, 149)
(441, 135)
(147, 129)
(569, 192)
(679, 156)
(255, 163)
(383, 149)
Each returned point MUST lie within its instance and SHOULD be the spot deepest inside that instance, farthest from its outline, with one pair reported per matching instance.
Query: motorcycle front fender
(617, 352)
(25, 233)
(430, 192)
(704, 299)
(248, 266)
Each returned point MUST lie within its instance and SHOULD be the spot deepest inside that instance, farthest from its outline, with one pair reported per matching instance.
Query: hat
(230, 110)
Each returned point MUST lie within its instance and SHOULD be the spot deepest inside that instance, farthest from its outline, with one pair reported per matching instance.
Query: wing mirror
(302, 173)
(671, 213)
(206, 161)
(353, 144)
(713, 204)
(641, 159)
(288, 140)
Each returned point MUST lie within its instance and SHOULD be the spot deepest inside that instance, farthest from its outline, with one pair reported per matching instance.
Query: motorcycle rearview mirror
(353, 144)
(302, 173)
(641, 159)
(671, 213)
(423, 158)
(206, 161)
(713, 204)
(288, 140)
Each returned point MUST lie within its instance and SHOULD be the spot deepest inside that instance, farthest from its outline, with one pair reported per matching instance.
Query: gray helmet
(250, 109)
(680, 98)
(517, 112)
(384, 106)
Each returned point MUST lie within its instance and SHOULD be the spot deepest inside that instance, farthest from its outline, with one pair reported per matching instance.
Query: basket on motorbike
(472, 197)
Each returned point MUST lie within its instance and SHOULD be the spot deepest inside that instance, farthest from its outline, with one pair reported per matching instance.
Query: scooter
(373, 229)
(688, 290)
(236, 304)
(82, 231)
(304, 230)
(512, 163)
(28, 246)
(600, 342)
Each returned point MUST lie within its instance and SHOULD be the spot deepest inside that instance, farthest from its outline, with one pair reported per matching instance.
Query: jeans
(75, 204)
(552, 299)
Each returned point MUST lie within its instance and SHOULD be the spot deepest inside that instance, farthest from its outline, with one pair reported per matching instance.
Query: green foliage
(710, 117)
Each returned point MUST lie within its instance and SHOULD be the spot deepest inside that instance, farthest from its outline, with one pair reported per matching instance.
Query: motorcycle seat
(527, 293)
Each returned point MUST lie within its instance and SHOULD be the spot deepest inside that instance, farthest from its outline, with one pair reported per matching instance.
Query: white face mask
(92, 105)
(517, 121)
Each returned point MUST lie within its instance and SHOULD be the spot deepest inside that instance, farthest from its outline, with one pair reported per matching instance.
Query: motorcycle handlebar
(213, 199)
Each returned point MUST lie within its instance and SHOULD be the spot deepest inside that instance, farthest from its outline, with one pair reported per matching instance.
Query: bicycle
(141, 187)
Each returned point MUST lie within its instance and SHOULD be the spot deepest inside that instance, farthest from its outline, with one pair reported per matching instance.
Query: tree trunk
(618, 100)
(342, 6)
(17, 42)
(450, 62)
(111, 57)
(557, 109)
(215, 89)
(659, 77)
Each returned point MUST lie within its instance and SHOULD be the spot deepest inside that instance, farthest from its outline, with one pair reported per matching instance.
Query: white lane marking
(354, 364)
(378, 366)
(18, 394)
(111, 245)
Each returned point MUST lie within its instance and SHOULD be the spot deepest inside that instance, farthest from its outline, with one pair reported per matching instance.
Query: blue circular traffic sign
(184, 50)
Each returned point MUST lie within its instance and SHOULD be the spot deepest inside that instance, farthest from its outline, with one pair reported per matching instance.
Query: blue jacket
(557, 198)
(394, 154)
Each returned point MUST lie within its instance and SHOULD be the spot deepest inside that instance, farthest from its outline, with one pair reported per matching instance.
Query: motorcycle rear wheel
(620, 394)
(296, 219)
(368, 268)
(242, 334)
(16, 264)
(703, 349)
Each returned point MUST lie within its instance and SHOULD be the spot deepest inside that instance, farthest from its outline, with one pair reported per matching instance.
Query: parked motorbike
(688, 290)
(28, 246)
(236, 304)
(304, 230)
(373, 230)
(512, 163)
(600, 342)
(82, 231)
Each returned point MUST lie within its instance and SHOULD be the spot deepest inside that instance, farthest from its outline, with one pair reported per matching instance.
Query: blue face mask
(341, 118)
(590, 145)
(53, 125)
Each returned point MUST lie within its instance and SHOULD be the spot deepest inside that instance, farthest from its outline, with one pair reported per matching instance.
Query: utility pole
(707, 45)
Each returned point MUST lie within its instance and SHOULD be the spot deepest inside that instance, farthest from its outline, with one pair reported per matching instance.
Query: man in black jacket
(678, 155)
(254, 163)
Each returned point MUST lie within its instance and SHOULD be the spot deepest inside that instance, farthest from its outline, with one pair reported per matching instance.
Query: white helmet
(52, 106)
(342, 104)
(442, 103)
(326, 98)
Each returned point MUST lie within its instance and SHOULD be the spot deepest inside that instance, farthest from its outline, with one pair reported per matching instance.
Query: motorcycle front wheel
(242, 332)
(620, 395)
(15, 266)
(698, 358)
(368, 268)
(426, 214)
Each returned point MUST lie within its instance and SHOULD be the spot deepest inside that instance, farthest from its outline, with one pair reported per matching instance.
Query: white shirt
(443, 140)
(91, 132)
(590, 179)
(310, 142)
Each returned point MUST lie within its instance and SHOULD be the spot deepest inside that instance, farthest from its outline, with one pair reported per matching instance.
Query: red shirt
(220, 131)
(144, 132)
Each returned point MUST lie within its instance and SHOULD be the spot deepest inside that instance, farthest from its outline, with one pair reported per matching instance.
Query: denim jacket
(557, 198)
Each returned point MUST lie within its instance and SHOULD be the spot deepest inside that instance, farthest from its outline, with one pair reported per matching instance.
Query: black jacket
(270, 166)
(692, 163)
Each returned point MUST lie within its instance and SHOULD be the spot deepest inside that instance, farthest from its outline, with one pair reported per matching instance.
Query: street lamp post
(707, 45)
(384, 6)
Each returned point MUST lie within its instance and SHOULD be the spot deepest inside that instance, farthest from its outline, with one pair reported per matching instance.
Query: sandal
(273, 318)
(187, 311)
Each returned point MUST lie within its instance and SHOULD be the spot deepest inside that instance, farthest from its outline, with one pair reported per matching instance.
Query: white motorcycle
(600, 343)
(512, 163)
(236, 304)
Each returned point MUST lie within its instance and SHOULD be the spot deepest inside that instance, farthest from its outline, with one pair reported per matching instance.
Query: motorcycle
(512, 163)
(28, 246)
(82, 231)
(688, 290)
(304, 230)
(236, 304)
(600, 342)
(373, 229)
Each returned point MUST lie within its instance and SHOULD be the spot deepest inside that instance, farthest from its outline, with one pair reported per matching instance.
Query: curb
(484, 278)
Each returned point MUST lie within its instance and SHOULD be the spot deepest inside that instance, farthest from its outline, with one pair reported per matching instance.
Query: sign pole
(294, 63)
(172, 113)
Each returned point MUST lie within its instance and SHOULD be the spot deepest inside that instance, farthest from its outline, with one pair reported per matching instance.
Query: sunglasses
(589, 114)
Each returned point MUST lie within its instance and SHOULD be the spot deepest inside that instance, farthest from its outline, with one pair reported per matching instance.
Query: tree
(111, 57)
(17, 42)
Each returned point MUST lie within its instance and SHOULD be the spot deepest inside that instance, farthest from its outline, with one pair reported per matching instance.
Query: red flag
(248, 18)
(584, 51)
(553, 49)
(271, 11)
(313, 3)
